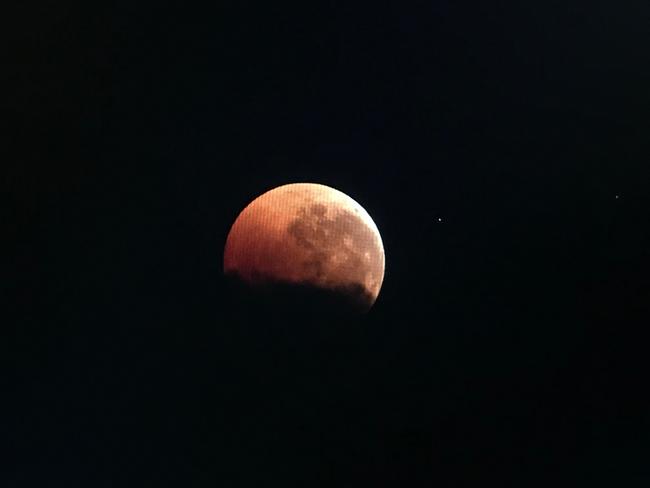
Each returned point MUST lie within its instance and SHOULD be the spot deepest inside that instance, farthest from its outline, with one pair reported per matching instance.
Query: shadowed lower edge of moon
(299, 298)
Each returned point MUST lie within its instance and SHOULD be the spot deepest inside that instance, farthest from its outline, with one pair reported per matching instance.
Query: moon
(307, 235)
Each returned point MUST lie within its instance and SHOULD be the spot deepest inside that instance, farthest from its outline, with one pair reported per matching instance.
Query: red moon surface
(307, 234)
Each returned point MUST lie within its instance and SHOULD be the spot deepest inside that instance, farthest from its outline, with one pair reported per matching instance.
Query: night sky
(503, 152)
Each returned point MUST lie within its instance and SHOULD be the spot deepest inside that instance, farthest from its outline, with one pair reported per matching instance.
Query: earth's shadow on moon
(298, 313)
(298, 301)
(285, 334)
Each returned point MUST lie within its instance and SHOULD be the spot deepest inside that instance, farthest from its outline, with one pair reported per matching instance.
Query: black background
(509, 341)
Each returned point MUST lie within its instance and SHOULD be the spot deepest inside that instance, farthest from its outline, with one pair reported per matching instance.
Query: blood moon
(307, 236)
